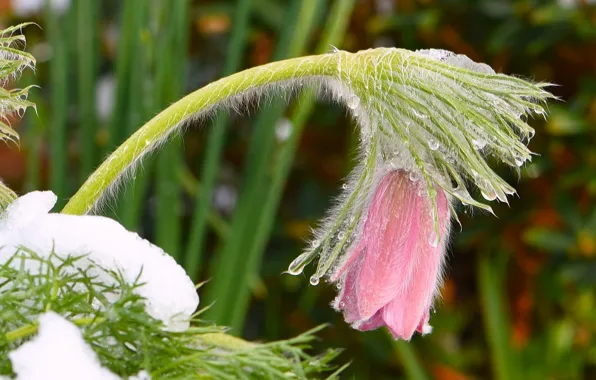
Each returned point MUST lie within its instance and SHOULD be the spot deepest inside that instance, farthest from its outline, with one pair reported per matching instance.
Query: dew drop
(478, 144)
(297, 265)
(489, 194)
(353, 102)
(539, 110)
(433, 144)
(344, 186)
(414, 176)
(314, 280)
(519, 160)
(295, 269)
(341, 235)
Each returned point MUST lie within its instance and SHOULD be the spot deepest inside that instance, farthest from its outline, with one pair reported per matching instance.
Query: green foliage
(126, 339)
(544, 245)
(12, 101)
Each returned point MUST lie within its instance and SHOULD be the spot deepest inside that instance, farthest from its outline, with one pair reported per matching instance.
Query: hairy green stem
(197, 103)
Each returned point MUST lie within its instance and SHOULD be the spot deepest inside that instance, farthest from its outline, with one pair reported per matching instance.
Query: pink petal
(390, 235)
(373, 323)
(393, 273)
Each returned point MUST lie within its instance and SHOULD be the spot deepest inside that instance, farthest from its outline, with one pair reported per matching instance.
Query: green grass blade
(215, 142)
(58, 36)
(132, 87)
(404, 351)
(231, 274)
(87, 63)
(34, 125)
(132, 13)
(168, 189)
(495, 318)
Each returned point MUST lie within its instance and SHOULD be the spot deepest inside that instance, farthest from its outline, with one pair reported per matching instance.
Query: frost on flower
(170, 294)
(57, 352)
(428, 120)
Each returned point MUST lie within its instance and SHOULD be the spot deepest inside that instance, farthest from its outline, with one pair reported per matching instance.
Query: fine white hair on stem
(432, 113)
(239, 104)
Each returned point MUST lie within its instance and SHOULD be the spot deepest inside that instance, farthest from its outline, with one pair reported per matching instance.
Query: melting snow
(57, 352)
(171, 295)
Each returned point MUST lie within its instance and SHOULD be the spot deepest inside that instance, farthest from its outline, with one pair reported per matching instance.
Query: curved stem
(197, 103)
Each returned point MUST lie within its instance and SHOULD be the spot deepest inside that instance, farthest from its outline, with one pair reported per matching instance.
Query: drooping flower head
(428, 120)
(391, 275)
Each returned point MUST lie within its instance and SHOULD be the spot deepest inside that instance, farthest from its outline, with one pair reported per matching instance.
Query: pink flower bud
(392, 272)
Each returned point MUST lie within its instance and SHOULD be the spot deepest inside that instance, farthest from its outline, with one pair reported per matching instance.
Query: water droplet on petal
(414, 176)
(519, 160)
(353, 102)
(314, 280)
(433, 144)
(341, 235)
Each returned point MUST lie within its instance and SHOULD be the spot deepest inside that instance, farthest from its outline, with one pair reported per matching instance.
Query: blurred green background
(233, 199)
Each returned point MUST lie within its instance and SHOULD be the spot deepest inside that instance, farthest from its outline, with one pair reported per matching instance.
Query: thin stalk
(35, 133)
(59, 94)
(407, 356)
(215, 142)
(132, 12)
(168, 189)
(193, 188)
(30, 329)
(495, 318)
(133, 86)
(201, 101)
(231, 273)
(87, 49)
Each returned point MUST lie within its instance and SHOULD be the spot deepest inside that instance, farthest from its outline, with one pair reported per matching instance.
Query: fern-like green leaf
(13, 101)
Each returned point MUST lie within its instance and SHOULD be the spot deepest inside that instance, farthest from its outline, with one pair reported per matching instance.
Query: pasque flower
(427, 120)
(391, 274)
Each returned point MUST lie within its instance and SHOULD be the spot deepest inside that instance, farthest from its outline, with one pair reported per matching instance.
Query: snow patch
(170, 293)
(57, 352)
